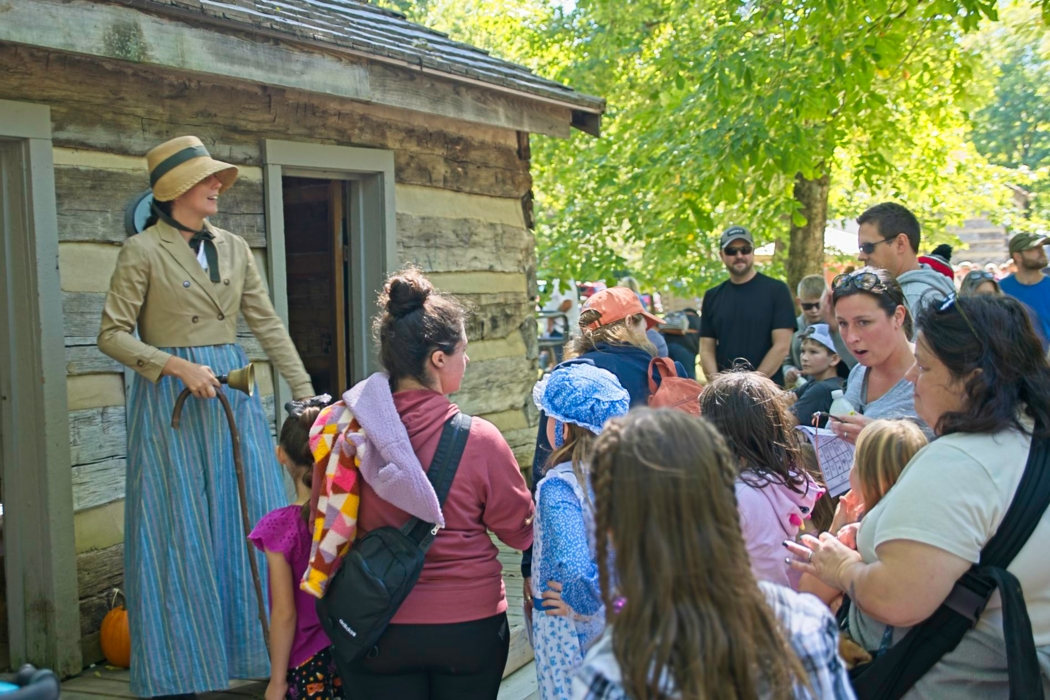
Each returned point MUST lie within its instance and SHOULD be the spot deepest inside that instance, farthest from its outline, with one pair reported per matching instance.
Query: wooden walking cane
(242, 380)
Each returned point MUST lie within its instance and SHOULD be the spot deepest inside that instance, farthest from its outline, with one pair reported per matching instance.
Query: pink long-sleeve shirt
(462, 576)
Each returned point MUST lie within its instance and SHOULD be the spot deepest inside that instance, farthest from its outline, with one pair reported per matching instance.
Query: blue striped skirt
(191, 602)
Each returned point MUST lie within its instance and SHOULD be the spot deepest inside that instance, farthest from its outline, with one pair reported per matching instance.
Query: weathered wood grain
(145, 106)
(99, 483)
(88, 359)
(90, 203)
(100, 571)
(460, 245)
(97, 434)
(92, 612)
(493, 316)
(495, 385)
(82, 316)
(143, 40)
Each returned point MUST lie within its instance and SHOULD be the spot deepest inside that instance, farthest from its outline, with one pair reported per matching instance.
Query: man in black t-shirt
(749, 317)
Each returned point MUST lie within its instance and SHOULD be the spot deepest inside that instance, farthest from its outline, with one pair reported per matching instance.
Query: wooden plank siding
(459, 197)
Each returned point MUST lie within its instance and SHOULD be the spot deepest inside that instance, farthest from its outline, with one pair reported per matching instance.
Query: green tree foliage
(768, 114)
(1013, 130)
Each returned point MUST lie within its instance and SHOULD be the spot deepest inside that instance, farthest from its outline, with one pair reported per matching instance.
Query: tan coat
(160, 287)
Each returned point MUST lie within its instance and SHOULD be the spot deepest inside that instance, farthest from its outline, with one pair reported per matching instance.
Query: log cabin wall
(462, 196)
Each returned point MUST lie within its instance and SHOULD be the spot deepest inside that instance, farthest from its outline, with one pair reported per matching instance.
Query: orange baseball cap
(617, 303)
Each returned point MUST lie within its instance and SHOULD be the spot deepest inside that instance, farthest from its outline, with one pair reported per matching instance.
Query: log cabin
(363, 141)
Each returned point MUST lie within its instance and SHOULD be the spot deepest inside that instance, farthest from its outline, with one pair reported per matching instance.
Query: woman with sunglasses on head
(987, 395)
(874, 321)
(979, 282)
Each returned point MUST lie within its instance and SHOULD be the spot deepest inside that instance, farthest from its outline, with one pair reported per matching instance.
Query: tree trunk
(806, 249)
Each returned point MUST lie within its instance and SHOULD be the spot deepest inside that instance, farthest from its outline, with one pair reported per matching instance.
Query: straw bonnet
(177, 165)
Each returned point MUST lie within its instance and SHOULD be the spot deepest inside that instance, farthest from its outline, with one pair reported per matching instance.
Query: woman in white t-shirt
(982, 392)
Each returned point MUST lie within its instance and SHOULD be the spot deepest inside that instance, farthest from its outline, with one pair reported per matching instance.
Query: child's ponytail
(295, 437)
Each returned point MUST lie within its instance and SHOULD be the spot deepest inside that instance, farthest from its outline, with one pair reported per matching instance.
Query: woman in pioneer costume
(182, 283)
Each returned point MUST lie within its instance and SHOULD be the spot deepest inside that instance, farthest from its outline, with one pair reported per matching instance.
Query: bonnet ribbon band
(175, 160)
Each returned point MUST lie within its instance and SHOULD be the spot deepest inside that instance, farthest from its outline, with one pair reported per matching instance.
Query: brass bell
(242, 379)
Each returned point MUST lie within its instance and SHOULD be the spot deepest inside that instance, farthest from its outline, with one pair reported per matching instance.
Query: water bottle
(840, 406)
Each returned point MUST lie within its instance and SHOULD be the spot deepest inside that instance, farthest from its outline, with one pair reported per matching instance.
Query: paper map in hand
(834, 455)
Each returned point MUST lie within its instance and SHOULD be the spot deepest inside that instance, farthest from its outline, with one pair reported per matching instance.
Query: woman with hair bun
(450, 637)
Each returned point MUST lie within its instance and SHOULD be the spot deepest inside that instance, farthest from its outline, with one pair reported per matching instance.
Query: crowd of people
(688, 552)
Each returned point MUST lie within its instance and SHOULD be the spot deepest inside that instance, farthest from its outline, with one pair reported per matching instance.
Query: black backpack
(891, 675)
(382, 567)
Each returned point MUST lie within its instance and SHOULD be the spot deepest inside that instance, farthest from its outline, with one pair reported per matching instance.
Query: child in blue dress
(301, 664)
(578, 398)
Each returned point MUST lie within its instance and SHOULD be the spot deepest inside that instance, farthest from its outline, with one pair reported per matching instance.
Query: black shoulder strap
(441, 473)
(895, 672)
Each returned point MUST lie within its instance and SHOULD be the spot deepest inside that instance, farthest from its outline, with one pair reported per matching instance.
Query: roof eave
(586, 109)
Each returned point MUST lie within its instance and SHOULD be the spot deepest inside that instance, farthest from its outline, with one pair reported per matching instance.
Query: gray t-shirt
(898, 402)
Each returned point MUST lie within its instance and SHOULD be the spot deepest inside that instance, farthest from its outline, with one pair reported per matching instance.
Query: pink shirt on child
(283, 531)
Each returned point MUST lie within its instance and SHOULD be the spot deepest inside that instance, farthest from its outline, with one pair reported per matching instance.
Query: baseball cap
(820, 333)
(735, 233)
(617, 303)
(1026, 241)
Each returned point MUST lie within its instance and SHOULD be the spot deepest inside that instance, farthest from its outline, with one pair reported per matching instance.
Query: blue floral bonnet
(582, 394)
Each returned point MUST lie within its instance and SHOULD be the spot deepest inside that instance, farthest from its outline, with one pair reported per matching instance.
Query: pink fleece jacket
(768, 516)
(462, 576)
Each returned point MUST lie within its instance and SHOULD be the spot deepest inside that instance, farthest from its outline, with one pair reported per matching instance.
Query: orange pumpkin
(115, 637)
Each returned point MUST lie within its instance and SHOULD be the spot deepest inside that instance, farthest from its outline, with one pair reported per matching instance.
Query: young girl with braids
(695, 623)
(774, 492)
(578, 398)
(301, 665)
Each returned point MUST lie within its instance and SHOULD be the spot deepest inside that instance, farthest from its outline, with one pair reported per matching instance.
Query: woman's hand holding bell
(199, 379)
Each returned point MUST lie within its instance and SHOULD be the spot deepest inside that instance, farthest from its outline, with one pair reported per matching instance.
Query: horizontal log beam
(464, 245)
(126, 34)
(90, 203)
(496, 385)
(100, 571)
(99, 483)
(97, 434)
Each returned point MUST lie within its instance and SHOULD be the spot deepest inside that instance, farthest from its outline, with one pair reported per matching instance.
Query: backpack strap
(664, 368)
(891, 675)
(441, 473)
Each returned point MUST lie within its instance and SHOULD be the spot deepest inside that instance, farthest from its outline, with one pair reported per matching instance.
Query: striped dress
(191, 601)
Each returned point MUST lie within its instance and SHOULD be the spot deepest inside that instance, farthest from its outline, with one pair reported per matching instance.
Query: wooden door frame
(372, 233)
(43, 604)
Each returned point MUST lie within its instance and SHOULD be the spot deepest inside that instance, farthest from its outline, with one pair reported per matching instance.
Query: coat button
(140, 363)
(186, 284)
(226, 282)
(194, 319)
(222, 317)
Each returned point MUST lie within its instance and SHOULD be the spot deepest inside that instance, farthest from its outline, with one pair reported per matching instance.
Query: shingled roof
(364, 29)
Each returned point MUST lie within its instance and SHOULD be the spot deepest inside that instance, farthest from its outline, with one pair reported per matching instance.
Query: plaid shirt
(811, 631)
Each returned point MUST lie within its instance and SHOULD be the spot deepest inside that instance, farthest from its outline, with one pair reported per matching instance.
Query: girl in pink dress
(301, 665)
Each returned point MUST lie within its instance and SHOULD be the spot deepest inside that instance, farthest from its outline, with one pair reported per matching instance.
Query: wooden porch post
(43, 607)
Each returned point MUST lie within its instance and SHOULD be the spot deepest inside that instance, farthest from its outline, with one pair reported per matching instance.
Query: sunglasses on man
(869, 248)
(809, 305)
(742, 250)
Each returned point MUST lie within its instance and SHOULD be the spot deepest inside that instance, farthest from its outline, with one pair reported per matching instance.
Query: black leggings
(461, 661)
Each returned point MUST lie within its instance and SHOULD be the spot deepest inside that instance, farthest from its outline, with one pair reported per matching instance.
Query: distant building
(987, 243)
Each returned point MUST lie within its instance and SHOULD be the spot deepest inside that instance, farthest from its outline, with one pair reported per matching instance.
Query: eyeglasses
(809, 306)
(948, 303)
(733, 252)
(864, 281)
(869, 248)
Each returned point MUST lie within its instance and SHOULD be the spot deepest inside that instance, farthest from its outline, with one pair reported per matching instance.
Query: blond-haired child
(884, 448)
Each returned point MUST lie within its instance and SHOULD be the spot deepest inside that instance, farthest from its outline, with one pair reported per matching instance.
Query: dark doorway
(317, 260)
